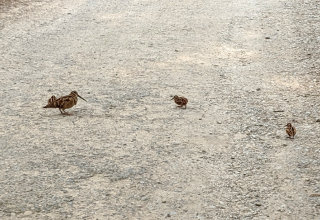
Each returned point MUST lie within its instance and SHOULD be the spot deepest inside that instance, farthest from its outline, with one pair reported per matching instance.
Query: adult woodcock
(64, 102)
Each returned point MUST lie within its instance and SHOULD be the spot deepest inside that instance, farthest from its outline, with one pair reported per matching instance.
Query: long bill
(82, 98)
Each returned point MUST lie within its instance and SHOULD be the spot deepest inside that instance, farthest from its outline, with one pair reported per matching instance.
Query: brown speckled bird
(64, 102)
(180, 101)
(291, 131)
(52, 99)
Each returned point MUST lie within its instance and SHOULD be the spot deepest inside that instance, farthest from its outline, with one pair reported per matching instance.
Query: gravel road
(248, 67)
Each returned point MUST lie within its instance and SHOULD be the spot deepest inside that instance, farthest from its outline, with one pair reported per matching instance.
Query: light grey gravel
(247, 67)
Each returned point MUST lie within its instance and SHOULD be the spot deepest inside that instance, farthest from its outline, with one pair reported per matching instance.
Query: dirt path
(247, 67)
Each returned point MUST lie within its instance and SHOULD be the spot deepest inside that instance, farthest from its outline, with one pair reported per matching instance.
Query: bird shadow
(182, 108)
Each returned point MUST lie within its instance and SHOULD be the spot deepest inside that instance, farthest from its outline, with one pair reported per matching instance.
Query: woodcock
(291, 131)
(180, 101)
(64, 102)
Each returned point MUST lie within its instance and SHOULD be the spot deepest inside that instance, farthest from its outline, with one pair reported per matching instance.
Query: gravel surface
(248, 67)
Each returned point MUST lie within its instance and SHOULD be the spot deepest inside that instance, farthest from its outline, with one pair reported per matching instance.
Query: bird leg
(63, 111)
(66, 113)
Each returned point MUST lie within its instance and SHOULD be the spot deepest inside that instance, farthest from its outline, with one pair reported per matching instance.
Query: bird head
(74, 93)
(175, 97)
(289, 125)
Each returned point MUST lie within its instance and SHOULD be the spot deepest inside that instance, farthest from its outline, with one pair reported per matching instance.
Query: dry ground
(247, 66)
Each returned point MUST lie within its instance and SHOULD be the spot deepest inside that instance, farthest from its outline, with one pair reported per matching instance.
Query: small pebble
(26, 213)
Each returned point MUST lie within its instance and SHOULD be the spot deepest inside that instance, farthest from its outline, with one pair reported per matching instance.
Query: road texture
(248, 67)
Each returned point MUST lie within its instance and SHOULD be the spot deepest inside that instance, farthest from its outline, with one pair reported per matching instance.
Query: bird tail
(52, 102)
(50, 105)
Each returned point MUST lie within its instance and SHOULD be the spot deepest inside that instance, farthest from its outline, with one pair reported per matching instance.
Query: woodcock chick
(291, 131)
(180, 101)
(64, 102)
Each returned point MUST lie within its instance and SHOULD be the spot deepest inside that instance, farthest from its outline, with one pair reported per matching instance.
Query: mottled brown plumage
(180, 101)
(52, 99)
(63, 102)
(291, 131)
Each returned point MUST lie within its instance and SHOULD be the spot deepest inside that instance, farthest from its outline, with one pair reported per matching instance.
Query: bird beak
(82, 98)
(172, 98)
